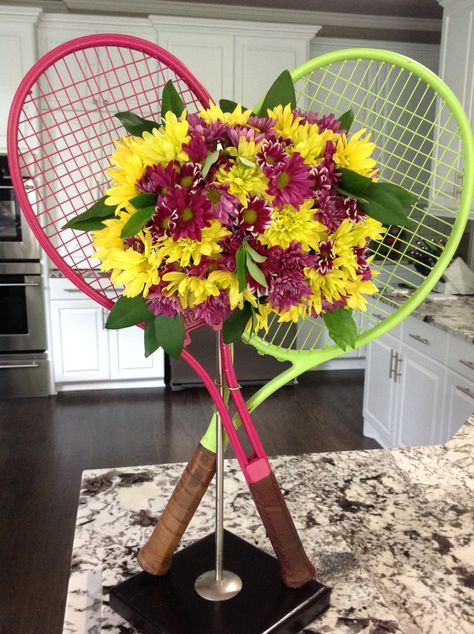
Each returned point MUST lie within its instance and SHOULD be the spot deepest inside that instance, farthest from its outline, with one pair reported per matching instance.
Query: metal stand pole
(219, 584)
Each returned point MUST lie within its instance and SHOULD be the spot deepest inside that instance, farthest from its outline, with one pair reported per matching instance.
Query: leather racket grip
(295, 567)
(156, 555)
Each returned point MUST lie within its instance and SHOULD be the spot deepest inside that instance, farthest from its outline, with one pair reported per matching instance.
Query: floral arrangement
(227, 216)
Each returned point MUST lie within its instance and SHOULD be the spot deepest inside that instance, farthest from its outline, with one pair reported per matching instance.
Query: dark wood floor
(45, 443)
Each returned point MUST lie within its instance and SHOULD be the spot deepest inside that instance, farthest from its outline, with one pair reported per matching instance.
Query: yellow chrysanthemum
(187, 250)
(136, 271)
(368, 228)
(163, 144)
(294, 313)
(243, 181)
(355, 154)
(356, 291)
(332, 286)
(128, 168)
(246, 148)
(226, 280)
(286, 122)
(237, 117)
(107, 239)
(310, 143)
(289, 224)
(190, 289)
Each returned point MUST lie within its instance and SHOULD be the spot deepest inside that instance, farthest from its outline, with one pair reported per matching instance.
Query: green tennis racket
(424, 144)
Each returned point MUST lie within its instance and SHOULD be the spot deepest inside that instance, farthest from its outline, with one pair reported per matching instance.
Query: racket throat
(257, 469)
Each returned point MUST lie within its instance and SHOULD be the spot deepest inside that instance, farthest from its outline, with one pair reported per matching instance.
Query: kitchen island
(390, 530)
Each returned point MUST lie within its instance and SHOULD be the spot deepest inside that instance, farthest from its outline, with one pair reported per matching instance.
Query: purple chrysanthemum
(158, 179)
(159, 225)
(264, 124)
(325, 122)
(196, 149)
(288, 289)
(223, 204)
(211, 132)
(290, 182)
(363, 266)
(214, 310)
(331, 211)
(190, 176)
(353, 212)
(278, 260)
(256, 217)
(162, 305)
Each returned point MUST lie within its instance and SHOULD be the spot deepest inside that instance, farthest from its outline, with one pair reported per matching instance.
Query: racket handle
(295, 567)
(156, 555)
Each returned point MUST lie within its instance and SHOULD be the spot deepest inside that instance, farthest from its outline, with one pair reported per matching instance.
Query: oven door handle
(19, 284)
(20, 365)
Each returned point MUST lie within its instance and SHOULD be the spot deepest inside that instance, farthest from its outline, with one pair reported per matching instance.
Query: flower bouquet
(229, 215)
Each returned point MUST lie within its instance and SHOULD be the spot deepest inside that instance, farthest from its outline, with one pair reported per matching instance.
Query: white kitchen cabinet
(87, 355)
(80, 343)
(413, 393)
(235, 59)
(459, 403)
(380, 390)
(18, 54)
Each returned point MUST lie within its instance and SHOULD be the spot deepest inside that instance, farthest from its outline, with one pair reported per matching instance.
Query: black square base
(170, 605)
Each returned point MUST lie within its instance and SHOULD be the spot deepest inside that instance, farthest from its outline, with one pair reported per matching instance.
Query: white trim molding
(29, 15)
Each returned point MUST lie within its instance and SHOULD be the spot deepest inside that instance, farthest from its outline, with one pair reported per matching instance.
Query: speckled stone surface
(455, 315)
(390, 530)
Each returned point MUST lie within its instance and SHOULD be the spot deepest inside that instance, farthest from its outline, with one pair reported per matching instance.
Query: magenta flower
(256, 217)
(160, 222)
(211, 132)
(290, 182)
(189, 212)
(158, 179)
(325, 122)
(324, 259)
(264, 124)
(353, 212)
(278, 260)
(331, 211)
(196, 149)
(223, 204)
(190, 176)
(363, 265)
(271, 154)
(214, 310)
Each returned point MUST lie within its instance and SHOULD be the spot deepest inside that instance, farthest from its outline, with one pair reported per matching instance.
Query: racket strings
(66, 133)
(418, 146)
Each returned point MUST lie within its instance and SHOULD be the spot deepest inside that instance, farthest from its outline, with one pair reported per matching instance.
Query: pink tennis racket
(60, 133)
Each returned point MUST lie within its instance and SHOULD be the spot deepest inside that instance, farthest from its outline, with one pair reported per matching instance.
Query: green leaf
(171, 101)
(255, 272)
(93, 224)
(241, 266)
(98, 210)
(246, 162)
(169, 333)
(226, 105)
(384, 207)
(341, 328)
(134, 124)
(256, 257)
(282, 92)
(128, 311)
(353, 182)
(136, 222)
(149, 337)
(143, 200)
(234, 326)
(346, 120)
(407, 198)
(209, 162)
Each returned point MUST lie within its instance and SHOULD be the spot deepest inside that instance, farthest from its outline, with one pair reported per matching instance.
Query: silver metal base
(207, 586)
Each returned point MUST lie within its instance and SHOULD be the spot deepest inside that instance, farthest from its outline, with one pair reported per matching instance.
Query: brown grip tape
(295, 567)
(156, 555)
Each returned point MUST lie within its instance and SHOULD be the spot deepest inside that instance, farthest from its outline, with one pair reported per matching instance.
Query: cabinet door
(259, 59)
(80, 343)
(420, 398)
(459, 405)
(127, 356)
(17, 52)
(208, 55)
(379, 391)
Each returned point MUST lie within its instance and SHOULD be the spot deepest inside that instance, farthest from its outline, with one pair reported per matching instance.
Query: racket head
(424, 143)
(61, 130)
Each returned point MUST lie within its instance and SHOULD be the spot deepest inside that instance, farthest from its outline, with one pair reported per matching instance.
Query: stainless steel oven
(22, 315)
(17, 242)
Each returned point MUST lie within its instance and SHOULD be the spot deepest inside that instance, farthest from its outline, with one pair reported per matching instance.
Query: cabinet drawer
(62, 288)
(425, 338)
(461, 357)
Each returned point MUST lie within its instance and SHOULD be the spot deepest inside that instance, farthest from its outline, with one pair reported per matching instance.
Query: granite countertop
(454, 314)
(390, 530)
